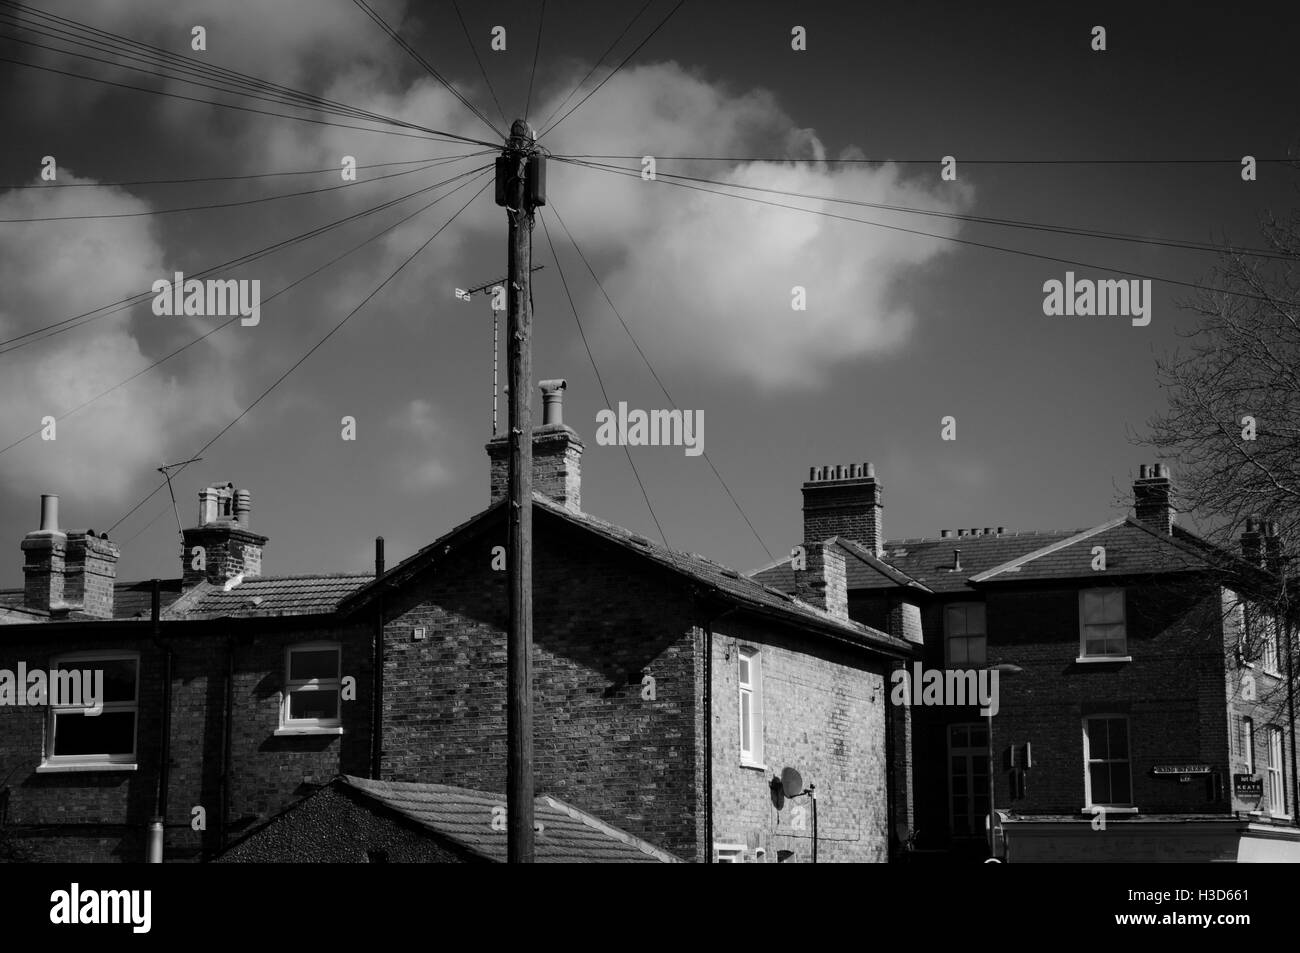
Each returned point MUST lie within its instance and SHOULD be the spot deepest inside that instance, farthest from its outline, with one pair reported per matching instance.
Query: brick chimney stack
(825, 583)
(223, 537)
(1153, 498)
(557, 454)
(844, 501)
(45, 553)
(90, 571)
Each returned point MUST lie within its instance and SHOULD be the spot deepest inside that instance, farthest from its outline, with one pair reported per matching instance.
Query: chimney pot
(1001, 530)
(945, 533)
(553, 401)
(956, 560)
(49, 513)
(1142, 472)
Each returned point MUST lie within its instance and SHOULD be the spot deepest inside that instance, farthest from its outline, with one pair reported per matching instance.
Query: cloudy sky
(900, 330)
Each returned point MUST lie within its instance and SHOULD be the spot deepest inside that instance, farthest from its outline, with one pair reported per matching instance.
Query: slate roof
(730, 583)
(267, 596)
(927, 562)
(1133, 548)
(861, 566)
(464, 816)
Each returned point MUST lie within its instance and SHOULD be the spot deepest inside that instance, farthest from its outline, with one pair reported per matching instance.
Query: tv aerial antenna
(465, 295)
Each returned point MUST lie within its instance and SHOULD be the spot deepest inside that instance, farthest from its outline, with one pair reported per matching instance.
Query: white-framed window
(965, 638)
(1108, 770)
(750, 668)
(728, 853)
(1276, 783)
(1102, 628)
(968, 778)
(76, 736)
(1247, 743)
(312, 679)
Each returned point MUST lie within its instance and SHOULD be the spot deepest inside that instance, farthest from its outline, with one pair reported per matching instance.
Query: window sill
(1095, 809)
(71, 768)
(753, 765)
(1094, 659)
(295, 732)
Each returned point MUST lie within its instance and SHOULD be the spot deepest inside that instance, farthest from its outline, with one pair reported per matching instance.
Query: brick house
(1139, 675)
(671, 692)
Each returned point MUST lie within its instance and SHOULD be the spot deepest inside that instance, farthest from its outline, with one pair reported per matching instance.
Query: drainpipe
(158, 823)
(377, 676)
(226, 743)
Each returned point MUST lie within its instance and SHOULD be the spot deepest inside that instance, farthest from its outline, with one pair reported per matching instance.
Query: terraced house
(671, 694)
(1146, 703)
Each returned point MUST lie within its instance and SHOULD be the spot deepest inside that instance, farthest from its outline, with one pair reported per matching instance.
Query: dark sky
(900, 330)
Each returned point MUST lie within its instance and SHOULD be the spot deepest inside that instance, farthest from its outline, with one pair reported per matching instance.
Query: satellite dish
(791, 782)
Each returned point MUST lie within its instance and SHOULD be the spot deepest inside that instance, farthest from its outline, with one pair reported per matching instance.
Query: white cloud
(707, 280)
(54, 270)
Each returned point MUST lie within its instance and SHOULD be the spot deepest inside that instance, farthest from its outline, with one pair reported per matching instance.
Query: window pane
(744, 670)
(745, 743)
(1091, 607)
(313, 663)
(1097, 746)
(314, 704)
(957, 651)
(1117, 729)
(975, 651)
(1119, 782)
(956, 620)
(119, 676)
(979, 736)
(959, 736)
(975, 619)
(1099, 777)
(106, 733)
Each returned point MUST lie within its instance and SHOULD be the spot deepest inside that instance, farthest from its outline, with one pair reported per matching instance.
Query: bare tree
(1232, 425)
(1233, 417)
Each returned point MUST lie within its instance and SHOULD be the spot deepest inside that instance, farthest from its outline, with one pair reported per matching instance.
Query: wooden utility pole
(519, 195)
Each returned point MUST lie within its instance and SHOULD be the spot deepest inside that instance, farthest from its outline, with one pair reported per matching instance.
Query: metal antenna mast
(498, 283)
(166, 471)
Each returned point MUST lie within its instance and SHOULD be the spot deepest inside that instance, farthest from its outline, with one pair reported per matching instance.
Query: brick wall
(101, 815)
(824, 714)
(601, 618)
